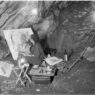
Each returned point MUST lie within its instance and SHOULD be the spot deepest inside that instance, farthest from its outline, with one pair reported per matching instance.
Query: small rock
(37, 90)
(69, 77)
(77, 80)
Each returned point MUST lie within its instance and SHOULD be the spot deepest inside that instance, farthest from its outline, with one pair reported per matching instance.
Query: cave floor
(80, 80)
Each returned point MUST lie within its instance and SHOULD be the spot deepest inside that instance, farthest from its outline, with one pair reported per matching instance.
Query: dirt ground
(79, 80)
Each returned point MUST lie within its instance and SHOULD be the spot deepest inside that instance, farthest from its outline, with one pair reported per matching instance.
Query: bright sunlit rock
(93, 16)
(34, 11)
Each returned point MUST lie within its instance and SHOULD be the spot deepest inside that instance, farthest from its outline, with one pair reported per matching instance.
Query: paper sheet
(53, 60)
(6, 68)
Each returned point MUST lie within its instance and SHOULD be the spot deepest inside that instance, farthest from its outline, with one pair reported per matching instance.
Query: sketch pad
(53, 60)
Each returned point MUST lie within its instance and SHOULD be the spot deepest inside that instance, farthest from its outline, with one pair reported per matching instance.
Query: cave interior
(62, 26)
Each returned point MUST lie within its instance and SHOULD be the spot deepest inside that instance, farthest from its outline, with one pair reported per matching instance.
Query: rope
(81, 55)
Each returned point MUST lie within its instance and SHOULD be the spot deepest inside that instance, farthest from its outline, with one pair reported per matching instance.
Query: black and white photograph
(47, 47)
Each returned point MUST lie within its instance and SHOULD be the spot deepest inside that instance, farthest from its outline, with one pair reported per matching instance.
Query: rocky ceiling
(64, 23)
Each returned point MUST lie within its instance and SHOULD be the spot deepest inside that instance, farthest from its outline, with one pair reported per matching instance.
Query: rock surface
(65, 24)
(90, 54)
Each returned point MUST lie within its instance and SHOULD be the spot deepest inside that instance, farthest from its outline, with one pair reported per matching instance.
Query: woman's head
(34, 38)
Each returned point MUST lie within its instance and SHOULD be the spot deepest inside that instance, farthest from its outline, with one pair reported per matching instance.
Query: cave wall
(74, 22)
(64, 23)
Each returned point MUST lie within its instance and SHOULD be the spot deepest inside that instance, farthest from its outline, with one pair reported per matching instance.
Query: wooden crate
(41, 77)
